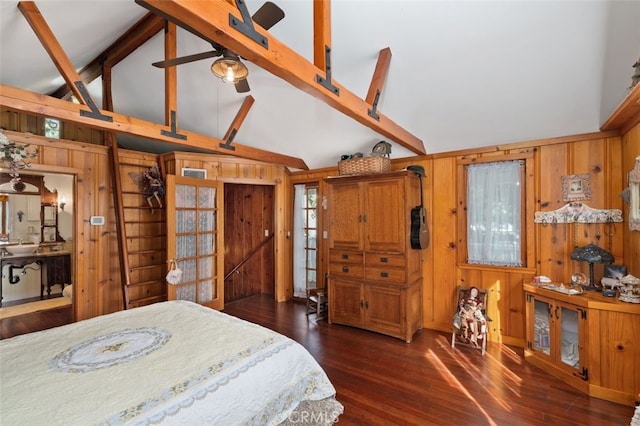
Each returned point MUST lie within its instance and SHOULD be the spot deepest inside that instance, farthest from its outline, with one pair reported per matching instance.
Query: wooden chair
(470, 322)
(317, 302)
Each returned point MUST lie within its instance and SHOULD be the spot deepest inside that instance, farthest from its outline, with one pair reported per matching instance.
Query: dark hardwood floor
(385, 381)
(37, 321)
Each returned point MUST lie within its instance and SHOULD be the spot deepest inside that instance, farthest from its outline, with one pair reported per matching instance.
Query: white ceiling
(463, 74)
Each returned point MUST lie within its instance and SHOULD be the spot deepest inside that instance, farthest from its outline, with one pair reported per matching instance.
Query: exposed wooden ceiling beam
(148, 26)
(47, 106)
(50, 43)
(106, 120)
(170, 75)
(379, 75)
(321, 32)
(237, 121)
(210, 21)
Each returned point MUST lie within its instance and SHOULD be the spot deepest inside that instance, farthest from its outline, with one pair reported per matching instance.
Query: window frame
(527, 229)
(308, 210)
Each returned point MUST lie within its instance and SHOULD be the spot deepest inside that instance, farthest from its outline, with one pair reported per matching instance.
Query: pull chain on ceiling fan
(229, 67)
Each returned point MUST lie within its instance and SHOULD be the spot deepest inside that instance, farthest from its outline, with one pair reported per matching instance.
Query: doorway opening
(249, 255)
(36, 243)
(305, 239)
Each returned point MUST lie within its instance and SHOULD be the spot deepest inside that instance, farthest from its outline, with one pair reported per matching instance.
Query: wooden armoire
(375, 277)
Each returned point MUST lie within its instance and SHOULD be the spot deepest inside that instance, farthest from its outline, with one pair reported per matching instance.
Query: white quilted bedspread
(172, 363)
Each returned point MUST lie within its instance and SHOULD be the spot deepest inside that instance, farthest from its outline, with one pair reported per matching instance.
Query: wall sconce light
(61, 204)
(20, 213)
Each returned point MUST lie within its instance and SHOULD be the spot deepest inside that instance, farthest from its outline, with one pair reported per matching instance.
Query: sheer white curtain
(493, 213)
(299, 252)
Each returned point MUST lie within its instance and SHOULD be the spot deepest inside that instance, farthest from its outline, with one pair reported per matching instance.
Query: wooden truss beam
(237, 122)
(56, 53)
(47, 106)
(105, 120)
(321, 32)
(210, 20)
(148, 26)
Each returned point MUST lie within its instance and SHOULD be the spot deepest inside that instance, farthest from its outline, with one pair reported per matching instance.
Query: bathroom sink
(22, 249)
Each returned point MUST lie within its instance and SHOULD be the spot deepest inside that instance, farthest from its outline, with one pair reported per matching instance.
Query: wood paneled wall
(243, 171)
(630, 150)
(601, 155)
(606, 157)
(96, 282)
(95, 261)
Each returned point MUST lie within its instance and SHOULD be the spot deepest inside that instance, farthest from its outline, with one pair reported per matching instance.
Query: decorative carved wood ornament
(578, 213)
(634, 197)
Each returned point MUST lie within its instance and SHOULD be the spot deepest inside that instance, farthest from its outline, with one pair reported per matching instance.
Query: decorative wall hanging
(576, 187)
(151, 185)
(634, 197)
(577, 212)
(175, 274)
(635, 78)
(15, 157)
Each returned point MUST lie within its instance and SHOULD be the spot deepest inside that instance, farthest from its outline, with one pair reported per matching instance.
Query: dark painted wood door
(248, 243)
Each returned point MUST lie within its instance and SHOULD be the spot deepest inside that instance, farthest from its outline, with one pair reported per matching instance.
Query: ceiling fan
(229, 67)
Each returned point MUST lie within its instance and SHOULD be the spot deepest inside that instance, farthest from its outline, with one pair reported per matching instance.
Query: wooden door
(385, 215)
(345, 203)
(194, 238)
(249, 259)
(346, 302)
(384, 309)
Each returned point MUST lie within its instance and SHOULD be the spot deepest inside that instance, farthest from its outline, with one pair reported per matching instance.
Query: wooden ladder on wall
(141, 231)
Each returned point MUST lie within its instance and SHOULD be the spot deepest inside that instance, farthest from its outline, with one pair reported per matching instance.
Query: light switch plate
(97, 220)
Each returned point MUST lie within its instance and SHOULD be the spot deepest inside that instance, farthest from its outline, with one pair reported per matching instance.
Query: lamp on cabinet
(591, 253)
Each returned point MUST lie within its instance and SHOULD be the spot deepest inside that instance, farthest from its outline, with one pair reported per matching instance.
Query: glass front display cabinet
(557, 334)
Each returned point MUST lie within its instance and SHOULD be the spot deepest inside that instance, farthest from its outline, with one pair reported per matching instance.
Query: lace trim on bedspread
(280, 407)
(218, 375)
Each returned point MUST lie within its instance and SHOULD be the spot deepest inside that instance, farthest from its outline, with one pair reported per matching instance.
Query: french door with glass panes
(194, 240)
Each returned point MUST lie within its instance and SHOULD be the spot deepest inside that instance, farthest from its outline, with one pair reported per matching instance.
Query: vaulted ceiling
(461, 74)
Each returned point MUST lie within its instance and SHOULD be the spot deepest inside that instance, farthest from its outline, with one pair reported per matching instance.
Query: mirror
(41, 212)
(634, 197)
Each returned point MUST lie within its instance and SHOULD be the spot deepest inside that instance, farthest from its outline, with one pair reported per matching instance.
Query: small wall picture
(576, 187)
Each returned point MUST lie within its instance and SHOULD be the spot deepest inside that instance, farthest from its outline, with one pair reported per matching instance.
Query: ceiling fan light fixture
(230, 69)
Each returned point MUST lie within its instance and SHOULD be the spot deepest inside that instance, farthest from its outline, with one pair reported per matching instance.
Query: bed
(172, 363)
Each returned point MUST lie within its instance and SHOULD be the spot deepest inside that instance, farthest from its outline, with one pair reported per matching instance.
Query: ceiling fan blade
(268, 15)
(185, 59)
(242, 86)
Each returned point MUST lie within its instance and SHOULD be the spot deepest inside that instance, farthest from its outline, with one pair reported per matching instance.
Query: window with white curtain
(494, 213)
(305, 236)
